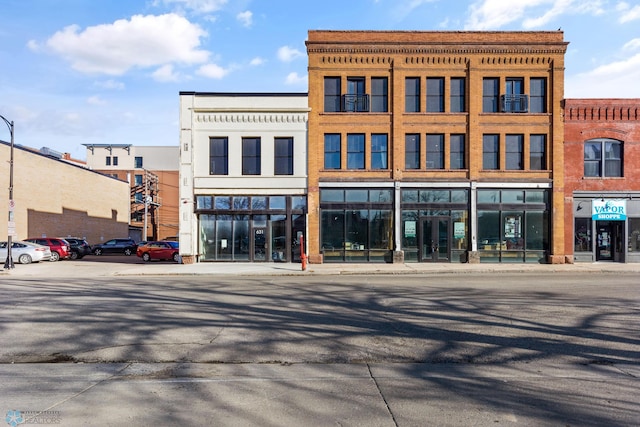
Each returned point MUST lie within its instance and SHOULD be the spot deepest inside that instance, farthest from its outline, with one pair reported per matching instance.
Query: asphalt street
(284, 348)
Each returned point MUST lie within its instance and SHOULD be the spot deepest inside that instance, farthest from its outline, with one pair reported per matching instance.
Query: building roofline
(246, 94)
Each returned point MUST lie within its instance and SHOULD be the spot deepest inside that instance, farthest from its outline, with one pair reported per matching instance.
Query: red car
(159, 250)
(60, 248)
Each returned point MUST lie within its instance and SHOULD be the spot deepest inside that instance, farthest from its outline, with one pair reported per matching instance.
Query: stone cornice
(231, 117)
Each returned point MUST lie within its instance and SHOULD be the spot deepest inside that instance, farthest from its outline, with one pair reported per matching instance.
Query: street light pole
(8, 263)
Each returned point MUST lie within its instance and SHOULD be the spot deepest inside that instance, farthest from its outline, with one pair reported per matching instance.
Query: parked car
(60, 248)
(159, 250)
(79, 247)
(25, 252)
(115, 246)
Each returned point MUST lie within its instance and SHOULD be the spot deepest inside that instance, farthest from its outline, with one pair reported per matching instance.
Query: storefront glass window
(298, 202)
(355, 196)
(258, 203)
(582, 236)
(634, 234)
(222, 202)
(277, 202)
(332, 196)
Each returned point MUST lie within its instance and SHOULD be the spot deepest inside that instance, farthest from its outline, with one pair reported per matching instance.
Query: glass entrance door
(609, 241)
(260, 244)
(435, 240)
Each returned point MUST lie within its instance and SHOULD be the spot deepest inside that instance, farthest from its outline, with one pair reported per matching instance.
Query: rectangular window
(514, 152)
(538, 152)
(457, 151)
(490, 92)
(355, 151)
(582, 240)
(379, 151)
(251, 156)
(218, 156)
(435, 94)
(538, 97)
(412, 94)
(115, 160)
(138, 179)
(137, 162)
(332, 94)
(356, 99)
(108, 161)
(412, 151)
(379, 94)
(603, 158)
(457, 95)
(435, 151)
(490, 150)
(283, 156)
(332, 151)
(515, 101)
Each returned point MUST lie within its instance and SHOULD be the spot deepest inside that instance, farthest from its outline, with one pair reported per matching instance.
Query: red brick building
(602, 179)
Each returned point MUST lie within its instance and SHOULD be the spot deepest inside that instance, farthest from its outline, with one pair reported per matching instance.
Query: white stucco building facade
(243, 176)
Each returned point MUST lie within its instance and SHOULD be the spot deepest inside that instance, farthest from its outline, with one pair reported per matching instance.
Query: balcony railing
(515, 103)
(355, 103)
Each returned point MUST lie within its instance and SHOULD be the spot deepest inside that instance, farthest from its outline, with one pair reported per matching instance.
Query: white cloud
(165, 74)
(494, 14)
(212, 71)
(627, 13)
(142, 41)
(200, 6)
(110, 84)
(295, 79)
(615, 80)
(406, 7)
(257, 61)
(96, 100)
(246, 18)
(288, 54)
(632, 45)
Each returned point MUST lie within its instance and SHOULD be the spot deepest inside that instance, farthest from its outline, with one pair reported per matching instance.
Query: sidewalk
(134, 267)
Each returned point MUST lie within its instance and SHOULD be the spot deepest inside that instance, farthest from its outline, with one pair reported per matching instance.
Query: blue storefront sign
(608, 210)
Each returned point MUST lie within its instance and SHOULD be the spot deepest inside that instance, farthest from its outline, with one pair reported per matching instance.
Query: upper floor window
(514, 150)
(435, 151)
(379, 94)
(457, 147)
(538, 95)
(138, 179)
(108, 161)
(538, 152)
(412, 151)
(379, 151)
(137, 162)
(457, 95)
(332, 151)
(514, 100)
(283, 161)
(218, 156)
(412, 94)
(490, 151)
(332, 94)
(490, 93)
(435, 94)
(356, 99)
(251, 156)
(603, 158)
(355, 151)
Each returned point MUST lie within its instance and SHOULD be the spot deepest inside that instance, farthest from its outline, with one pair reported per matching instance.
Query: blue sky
(107, 71)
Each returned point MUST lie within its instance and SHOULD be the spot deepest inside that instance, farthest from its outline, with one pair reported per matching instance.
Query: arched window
(603, 158)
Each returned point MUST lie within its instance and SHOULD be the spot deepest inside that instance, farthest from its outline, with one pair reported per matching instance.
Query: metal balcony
(355, 103)
(514, 103)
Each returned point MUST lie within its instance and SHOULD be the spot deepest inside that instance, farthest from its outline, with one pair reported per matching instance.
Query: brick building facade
(435, 146)
(602, 179)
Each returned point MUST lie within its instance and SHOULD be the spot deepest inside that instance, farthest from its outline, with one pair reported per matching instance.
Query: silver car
(25, 252)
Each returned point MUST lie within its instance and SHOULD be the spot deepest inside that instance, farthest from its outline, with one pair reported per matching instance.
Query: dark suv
(116, 246)
(59, 247)
(79, 247)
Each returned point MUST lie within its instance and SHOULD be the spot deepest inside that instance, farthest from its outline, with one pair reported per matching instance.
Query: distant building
(55, 198)
(152, 172)
(443, 146)
(602, 179)
(243, 176)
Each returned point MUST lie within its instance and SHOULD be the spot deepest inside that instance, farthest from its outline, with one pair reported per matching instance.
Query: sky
(77, 72)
